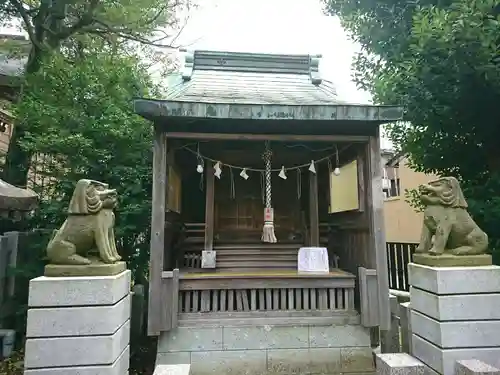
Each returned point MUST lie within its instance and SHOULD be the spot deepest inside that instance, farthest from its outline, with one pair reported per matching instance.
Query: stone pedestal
(398, 364)
(475, 367)
(78, 325)
(455, 315)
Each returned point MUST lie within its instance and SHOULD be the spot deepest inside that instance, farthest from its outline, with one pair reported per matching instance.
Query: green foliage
(82, 125)
(440, 59)
(60, 26)
(50, 23)
(13, 365)
(31, 261)
(412, 197)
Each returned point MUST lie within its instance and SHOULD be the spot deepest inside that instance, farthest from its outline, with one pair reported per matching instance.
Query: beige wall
(402, 223)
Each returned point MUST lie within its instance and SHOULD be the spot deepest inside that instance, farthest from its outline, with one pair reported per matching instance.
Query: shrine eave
(14, 201)
(161, 110)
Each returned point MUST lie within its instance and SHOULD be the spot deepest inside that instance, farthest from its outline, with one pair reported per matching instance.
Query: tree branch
(26, 19)
(127, 36)
(181, 29)
(156, 16)
(85, 20)
(123, 33)
(98, 26)
(32, 10)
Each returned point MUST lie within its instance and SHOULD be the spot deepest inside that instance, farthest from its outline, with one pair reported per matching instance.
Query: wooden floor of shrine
(262, 274)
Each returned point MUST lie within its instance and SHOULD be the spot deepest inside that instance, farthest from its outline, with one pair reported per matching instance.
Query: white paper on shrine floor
(313, 259)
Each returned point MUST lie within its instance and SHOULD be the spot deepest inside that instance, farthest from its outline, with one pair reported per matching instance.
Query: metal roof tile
(269, 81)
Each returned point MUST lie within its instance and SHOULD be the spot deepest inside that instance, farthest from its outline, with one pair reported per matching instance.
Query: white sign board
(313, 259)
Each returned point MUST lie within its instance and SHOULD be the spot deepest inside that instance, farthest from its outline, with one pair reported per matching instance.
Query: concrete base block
(76, 351)
(181, 369)
(443, 280)
(430, 371)
(475, 367)
(78, 325)
(239, 362)
(97, 268)
(119, 367)
(78, 291)
(78, 321)
(456, 307)
(460, 334)
(269, 350)
(398, 364)
(443, 360)
(449, 260)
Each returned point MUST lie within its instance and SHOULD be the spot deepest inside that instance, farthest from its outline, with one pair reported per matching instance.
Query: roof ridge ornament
(246, 62)
(187, 70)
(314, 69)
(251, 62)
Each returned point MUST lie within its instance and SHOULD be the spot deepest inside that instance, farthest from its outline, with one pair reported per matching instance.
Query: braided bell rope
(267, 162)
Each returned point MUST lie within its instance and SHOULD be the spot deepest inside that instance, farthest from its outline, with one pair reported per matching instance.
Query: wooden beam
(361, 182)
(156, 306)
(377, 234)
(209, 206)
(313, 209)
(269, 137)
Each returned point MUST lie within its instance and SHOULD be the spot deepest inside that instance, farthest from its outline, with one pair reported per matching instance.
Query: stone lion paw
(434, 251)
(420, 250)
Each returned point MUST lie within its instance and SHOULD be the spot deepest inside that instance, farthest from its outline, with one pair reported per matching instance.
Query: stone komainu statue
(89, 226)
(448, 227)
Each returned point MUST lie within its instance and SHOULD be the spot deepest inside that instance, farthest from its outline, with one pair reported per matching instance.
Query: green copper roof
(234, 85)
(245, 78)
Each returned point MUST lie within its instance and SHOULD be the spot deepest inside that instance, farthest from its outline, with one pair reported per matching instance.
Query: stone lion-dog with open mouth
(447, 220)
(89, 226)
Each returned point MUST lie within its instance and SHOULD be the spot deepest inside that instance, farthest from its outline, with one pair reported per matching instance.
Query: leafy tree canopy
(52, 23)
(82, 125)
(437, 58)
(63, 26)
(441, 60)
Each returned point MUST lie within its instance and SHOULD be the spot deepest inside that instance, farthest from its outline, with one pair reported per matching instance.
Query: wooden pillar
(313, 209)
(377, 234)
(360, 159)
(157, 307)
(209, 206)
(169, 260)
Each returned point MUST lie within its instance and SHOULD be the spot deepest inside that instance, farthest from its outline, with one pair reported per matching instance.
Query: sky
(276, 26)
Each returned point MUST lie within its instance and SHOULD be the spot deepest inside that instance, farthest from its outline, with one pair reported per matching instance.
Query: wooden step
(253, 236)
(195, 230)
(197, 246)
(257, 246)
(256, 252)
(259, 264)
(191, 225)
(194, 240)
(253, 241)
(258, 258)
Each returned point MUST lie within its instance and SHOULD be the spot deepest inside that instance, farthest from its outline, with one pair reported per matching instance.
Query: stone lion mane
(86, 199)
(445, 191)
(90, 225)
(448, 227)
